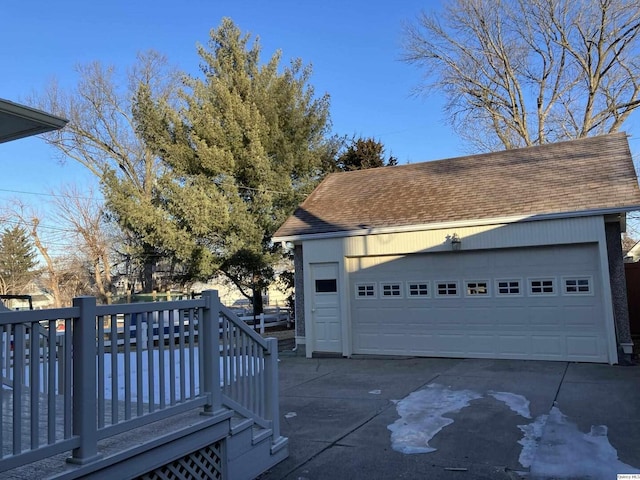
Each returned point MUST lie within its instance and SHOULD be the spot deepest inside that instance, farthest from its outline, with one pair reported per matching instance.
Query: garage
(543, 304)
(513, 254)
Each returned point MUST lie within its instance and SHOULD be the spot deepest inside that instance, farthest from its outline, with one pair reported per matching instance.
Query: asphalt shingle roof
(594, 173)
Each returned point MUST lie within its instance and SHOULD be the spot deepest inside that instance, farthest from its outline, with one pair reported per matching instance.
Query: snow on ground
(242, 365)
(422, 416)
(552, 446)
(515, 402)
(177, 360)
(532, 435)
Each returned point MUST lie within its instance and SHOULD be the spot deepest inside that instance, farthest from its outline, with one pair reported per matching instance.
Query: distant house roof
(633, 255)
(588, 176)
(19, 121)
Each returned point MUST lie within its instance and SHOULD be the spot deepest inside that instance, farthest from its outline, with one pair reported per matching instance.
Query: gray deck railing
(249, 371)
(74, 376)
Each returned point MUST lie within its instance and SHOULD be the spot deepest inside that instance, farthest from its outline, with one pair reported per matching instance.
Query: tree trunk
(258, 306)
(150, 260)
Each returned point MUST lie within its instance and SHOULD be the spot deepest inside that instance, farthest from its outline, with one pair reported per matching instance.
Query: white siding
(546, 232)
(322, 251)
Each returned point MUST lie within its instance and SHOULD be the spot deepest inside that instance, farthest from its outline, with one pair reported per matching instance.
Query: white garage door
(541, 303)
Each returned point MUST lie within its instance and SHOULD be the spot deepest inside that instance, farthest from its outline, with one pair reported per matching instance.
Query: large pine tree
(244, 148)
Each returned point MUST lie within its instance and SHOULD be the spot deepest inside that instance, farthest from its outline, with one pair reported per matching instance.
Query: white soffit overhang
(19, 121)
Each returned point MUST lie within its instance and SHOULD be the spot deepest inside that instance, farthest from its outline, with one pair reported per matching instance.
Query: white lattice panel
(203, 464)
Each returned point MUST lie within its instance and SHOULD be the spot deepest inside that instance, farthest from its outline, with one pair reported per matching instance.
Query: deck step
(251, 456)
(280, 444)
(239, 424)
(260, 434)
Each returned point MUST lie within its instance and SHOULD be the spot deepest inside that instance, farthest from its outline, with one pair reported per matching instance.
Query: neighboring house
(40, 297)
(514, 254)
(231, 295)
(633, 255)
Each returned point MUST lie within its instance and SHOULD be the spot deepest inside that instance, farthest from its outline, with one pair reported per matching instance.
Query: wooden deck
(132, 405)
(111, 448)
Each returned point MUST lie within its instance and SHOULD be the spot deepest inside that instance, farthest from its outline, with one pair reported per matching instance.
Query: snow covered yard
(173, 380)
(191, 370)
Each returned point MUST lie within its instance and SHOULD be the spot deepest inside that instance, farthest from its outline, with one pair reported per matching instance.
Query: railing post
(271, 380)
(84, 381)
(210, 351)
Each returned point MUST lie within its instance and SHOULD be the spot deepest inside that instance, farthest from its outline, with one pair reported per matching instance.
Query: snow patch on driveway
(422, 416)
(553, 447)
(532, 436)
(515, 402)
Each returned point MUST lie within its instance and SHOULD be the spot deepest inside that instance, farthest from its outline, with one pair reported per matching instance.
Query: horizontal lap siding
(526, 233)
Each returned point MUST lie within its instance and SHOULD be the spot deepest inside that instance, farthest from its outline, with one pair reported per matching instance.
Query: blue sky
(354, 48)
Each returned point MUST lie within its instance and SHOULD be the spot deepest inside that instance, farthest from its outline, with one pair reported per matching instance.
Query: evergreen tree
(364, 153)
(17, 260)
(247, 145)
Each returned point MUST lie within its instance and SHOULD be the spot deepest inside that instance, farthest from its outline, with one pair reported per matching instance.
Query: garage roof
(18, 121)
(588, 176)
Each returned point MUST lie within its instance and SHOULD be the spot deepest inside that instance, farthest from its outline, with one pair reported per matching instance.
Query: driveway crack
(336, 442)
(555, 397)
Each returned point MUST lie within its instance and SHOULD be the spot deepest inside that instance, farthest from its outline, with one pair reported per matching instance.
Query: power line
(45, 194)
(239, 187)
(26, 224)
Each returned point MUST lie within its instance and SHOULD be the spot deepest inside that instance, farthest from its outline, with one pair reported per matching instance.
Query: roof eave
(19, 121)
(454, 224)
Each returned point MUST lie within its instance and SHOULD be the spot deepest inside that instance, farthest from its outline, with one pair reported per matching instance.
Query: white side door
(325, 308)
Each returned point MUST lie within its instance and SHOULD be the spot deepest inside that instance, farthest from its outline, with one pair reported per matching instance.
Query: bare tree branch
(526, 72)
(102, 135)
(86, 216)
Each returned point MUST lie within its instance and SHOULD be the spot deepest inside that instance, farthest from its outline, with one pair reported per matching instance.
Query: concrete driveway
(493, 419)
